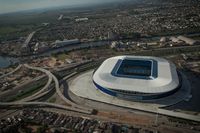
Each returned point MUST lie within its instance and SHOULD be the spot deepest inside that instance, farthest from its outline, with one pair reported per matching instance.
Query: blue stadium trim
(139, 96)
(105, 90)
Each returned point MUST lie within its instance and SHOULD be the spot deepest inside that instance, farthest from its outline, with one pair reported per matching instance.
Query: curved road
(40, 92)
(58, 91)
(73, 107)
(7, 74)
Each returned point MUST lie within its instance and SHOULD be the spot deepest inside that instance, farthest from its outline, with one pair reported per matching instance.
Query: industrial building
(137, 77)
(65, 42)
(81, 19)
(187, 40)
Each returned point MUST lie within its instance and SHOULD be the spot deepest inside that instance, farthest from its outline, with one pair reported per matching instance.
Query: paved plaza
(82, 86)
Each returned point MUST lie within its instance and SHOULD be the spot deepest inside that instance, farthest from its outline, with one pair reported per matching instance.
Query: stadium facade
(137, 77)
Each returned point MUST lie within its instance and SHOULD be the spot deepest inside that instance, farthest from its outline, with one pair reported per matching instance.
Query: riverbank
(6, 61)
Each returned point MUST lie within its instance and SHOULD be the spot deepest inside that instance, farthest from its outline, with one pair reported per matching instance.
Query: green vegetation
(28, 18)
(15, 25)
(195, 37)
(42, 129)
(62, 56)
(14, 32)
(7, 30)
(28, 92)
(52, 100)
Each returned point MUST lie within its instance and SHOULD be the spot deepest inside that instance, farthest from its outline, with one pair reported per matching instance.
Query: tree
(42, 129)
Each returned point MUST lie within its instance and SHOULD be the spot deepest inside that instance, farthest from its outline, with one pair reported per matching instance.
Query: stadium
(137, 77)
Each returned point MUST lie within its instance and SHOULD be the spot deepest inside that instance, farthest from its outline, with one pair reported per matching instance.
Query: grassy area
(33, 89)
(15, 25)
(27, 18)
(60, 56)
(14, 32)
(7, 30)
(195, 37)
(52, 100)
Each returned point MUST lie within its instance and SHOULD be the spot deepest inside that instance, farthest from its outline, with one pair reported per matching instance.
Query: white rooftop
(165, 81)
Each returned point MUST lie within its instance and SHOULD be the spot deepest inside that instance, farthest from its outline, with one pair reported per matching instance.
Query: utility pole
(156, 121)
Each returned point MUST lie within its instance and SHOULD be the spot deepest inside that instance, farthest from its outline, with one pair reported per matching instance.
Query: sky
(20, 5)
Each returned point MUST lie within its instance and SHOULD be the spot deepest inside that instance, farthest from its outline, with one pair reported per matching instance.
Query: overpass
(40, 92)
(7, 74)
(45, 90)
(57, 87)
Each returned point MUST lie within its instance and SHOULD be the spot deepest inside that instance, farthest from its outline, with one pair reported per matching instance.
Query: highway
(35, 95)
(40, 92)
(75, 107)
(44, 104)
(179, 114)
(30, 36)
(7, 74)
(84, 94)
(51, 77)
(80, 108)
(103, 43)
(58, 91)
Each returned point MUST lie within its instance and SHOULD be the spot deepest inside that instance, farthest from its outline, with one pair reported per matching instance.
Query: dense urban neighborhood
(58, 68)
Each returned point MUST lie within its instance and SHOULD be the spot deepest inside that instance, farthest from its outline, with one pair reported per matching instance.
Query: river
(7, 61)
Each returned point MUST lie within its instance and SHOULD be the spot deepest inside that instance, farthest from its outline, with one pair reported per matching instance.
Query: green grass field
(62, 56)
(14, 32)
(52, 100)
(7, 30)
(28, 92)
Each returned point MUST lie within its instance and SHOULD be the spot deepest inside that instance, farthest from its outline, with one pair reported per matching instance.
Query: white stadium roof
(165, 81)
